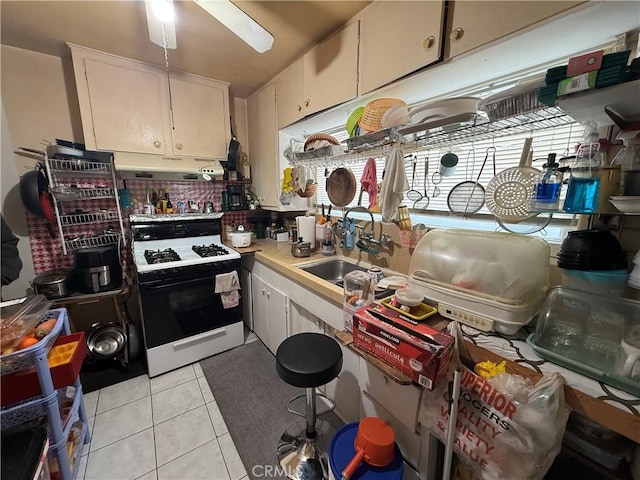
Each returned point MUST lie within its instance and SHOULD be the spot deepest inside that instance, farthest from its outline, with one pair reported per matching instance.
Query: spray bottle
(547, 194)
(584, 182)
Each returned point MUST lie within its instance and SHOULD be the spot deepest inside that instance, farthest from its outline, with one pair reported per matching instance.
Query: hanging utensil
(467, 198)
(423, 203)
(341, 187)
(508, 194)
(414, 194)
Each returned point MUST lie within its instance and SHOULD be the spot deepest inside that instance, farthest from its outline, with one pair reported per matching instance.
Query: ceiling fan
(161, 23)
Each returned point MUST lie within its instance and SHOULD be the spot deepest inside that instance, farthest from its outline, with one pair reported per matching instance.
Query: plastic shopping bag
(497, 436)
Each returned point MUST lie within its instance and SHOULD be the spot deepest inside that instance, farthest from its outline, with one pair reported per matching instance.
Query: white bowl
(627, 203)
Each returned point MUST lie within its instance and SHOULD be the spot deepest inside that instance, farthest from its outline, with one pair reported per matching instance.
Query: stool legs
(310, 395)
(302, 450)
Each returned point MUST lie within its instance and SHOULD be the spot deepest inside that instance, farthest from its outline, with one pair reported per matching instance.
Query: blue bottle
(547, 193)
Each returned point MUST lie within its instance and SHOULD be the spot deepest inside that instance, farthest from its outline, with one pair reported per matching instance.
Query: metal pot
(208, 207)
(57, 283)
(301, 248)
(106, 341)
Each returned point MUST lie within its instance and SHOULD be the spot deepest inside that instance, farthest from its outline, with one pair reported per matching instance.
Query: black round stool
(306, 360)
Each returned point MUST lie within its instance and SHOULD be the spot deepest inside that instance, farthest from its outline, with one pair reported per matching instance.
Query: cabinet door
(128, 107)
(397, 38)
(345, 389)
(331, 70)
(290, 95)
(259, 300)
(263, 154)
(472, 24)
(247, 297)
(200, 118)
(303, 321)
(277, 317)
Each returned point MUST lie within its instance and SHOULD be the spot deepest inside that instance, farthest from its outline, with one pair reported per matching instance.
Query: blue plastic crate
(25, 358)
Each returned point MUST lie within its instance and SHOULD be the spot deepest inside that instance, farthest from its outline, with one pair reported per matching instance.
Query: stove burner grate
(161, 256)
(212, 250)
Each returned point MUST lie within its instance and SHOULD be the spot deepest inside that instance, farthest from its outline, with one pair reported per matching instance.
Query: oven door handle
(199, 338)
(160, 284)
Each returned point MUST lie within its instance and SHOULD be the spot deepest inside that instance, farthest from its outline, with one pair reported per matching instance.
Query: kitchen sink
(333, 271)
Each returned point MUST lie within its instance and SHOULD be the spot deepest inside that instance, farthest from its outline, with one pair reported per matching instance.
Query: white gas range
(180, 260)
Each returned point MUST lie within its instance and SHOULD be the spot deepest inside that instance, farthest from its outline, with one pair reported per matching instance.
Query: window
(471, 155)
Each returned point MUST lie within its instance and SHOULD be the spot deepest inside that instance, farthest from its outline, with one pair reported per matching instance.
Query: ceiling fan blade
(239, 23)
(159, 13)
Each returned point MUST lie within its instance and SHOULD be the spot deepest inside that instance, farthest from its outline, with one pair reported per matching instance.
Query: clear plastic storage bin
(595, 335)
(498, 277)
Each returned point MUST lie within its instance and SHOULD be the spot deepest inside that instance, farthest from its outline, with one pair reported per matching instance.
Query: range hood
(164, 167)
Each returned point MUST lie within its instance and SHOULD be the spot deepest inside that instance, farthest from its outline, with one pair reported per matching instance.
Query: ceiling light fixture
(239, 23)
(161, 22)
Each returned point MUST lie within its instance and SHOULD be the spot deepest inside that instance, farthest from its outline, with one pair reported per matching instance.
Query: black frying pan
(234, 152)
(32, 184)
(34, 193)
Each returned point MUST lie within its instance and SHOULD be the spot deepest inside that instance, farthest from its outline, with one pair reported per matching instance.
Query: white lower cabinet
(269, 313)
(345, 389)
(407, 440)
(303, 321)
(402, 401)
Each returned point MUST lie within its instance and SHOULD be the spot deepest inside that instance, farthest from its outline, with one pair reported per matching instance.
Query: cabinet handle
(307, 102)
(299, 108)
(429, 42)
(268, 294)
(179, 146)
(456, 34)
(263, 290)
(157, 144)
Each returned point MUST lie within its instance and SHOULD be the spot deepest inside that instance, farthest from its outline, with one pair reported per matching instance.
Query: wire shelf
(482, 129)
(85, 218)
(98, 241)
(79, 166)
(97, 192)
(464, 129)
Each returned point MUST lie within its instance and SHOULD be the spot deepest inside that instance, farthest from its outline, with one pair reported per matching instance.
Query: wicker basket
(320, 136)
(374, 110)
(309, 190)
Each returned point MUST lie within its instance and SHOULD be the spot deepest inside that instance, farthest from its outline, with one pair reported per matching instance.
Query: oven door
(177, 308)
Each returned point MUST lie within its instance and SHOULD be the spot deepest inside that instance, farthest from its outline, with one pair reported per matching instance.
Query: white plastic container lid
(408, 297)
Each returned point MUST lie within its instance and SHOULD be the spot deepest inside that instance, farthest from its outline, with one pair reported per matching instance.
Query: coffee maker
(236, 198)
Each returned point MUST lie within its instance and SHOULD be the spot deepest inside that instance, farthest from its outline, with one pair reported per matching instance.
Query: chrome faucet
(366, 239)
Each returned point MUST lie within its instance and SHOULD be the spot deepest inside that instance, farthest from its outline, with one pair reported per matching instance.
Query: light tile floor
(163, 428)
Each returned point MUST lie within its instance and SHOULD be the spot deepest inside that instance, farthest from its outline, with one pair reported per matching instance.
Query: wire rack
(85, 218)
(97, 241)
(467, 129)
(97, 192)
(79, 166)
(482, 129)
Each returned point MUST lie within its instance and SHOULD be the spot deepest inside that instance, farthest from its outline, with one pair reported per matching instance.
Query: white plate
(626, 203)
(443, 109)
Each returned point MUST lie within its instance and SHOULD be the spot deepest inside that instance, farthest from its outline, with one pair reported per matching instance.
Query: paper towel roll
(307, 229)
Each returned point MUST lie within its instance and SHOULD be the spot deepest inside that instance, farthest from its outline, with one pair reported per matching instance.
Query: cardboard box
(414, 348)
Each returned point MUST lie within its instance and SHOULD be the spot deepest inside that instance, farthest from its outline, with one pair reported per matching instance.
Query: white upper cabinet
(290, 95)
(473, 24)
(331, 70)
(324, 77)
(123, 106)
(396, 38)
(263, 144)
(202, 126)
(126, 106)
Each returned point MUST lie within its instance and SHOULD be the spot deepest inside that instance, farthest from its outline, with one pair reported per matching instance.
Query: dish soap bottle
(547, 194)
(584, 182)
